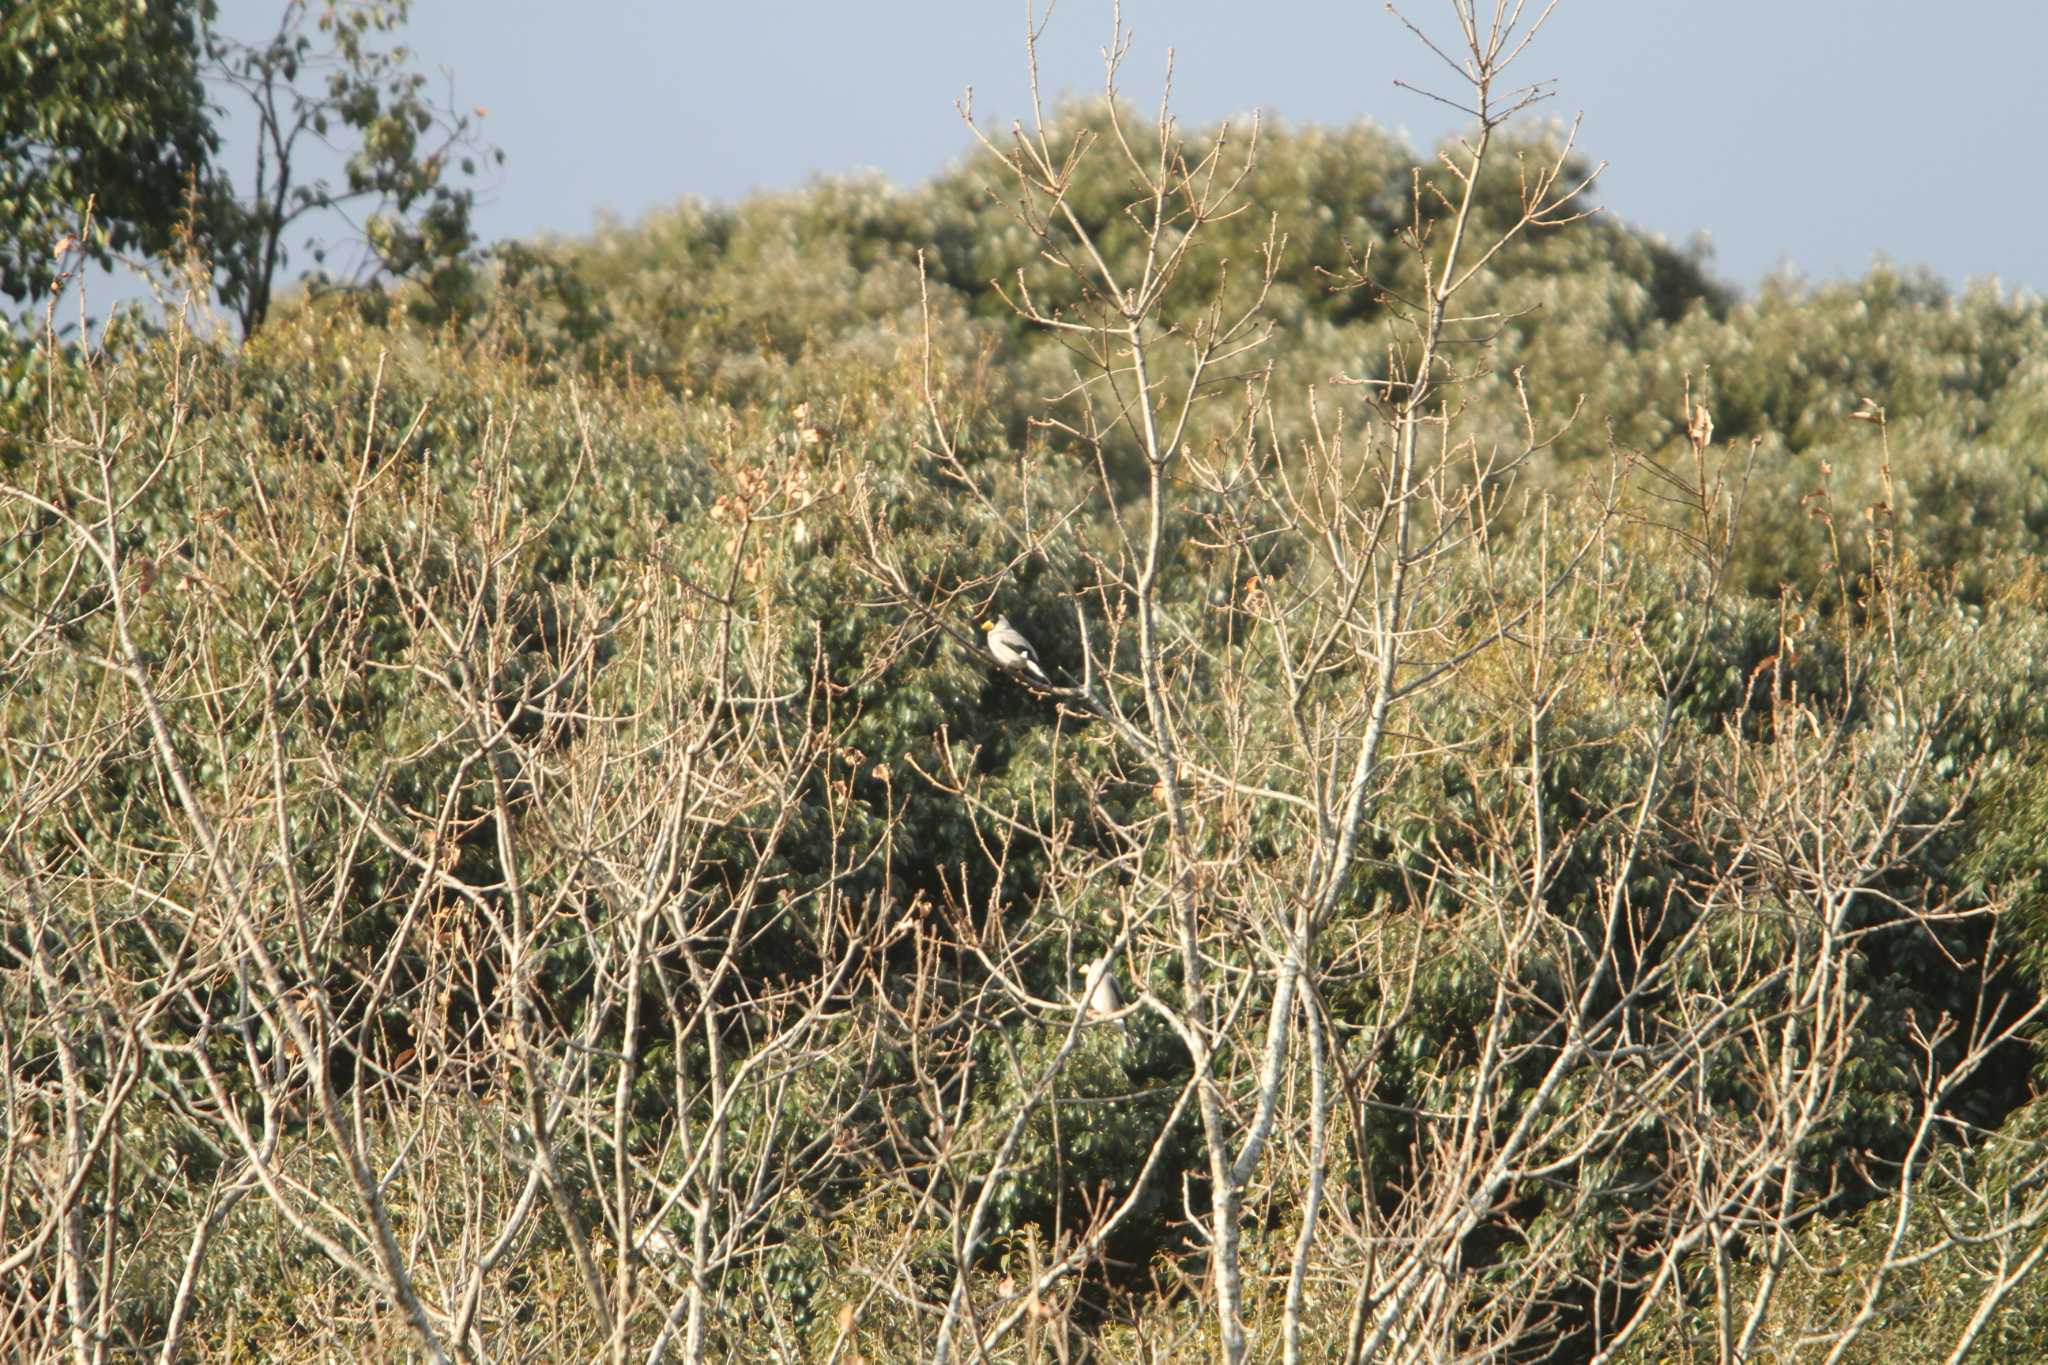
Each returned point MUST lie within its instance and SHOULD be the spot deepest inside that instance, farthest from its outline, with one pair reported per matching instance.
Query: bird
(1008, 647)
(1107, 998)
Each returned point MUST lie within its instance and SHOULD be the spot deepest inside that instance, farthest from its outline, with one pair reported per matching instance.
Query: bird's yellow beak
(988, 625)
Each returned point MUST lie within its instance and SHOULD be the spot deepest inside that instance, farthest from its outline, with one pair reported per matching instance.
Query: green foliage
(755, 304)
(107, 111)
(325, 77)
(682, 412)
(103, 103)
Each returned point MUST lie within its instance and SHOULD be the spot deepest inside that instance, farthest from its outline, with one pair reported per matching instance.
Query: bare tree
(408, 1003)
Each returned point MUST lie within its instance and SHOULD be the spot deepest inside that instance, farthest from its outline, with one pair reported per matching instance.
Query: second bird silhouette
(1107, 997)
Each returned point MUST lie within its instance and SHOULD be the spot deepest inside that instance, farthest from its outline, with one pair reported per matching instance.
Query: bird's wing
(1009, 642)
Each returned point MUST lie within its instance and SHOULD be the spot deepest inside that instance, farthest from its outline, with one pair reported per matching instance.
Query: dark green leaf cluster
(103, 106)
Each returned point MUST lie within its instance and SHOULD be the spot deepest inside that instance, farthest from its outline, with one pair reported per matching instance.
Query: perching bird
(1107, 997)
(1008, 647)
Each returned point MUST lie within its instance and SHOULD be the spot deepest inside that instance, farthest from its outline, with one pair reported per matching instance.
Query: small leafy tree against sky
(109, 135)
(324, 83)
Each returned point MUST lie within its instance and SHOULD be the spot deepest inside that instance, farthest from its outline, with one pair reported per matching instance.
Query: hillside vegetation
(514, 848)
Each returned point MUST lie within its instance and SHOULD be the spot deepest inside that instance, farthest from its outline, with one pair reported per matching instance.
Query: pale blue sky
(1812, 134)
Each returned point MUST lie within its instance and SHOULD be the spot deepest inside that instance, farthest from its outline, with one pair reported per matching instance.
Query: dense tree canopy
(103, 104)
